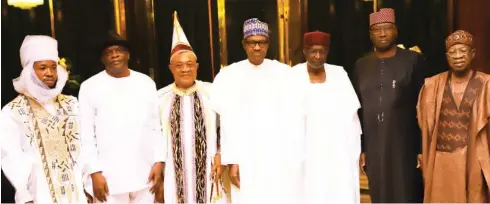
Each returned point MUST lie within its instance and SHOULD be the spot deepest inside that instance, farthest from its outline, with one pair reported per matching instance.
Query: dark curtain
(138, 34)
(348, 24)
(474, 17)
(420, 22)
(423, 23)
(79, 27)
(16, 24)
(84, 24)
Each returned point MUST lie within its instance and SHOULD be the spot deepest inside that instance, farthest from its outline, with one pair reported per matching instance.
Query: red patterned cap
(316, 38)
(459, 37)
(384, 15)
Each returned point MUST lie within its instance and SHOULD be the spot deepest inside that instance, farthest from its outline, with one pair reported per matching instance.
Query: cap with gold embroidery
(459, 37)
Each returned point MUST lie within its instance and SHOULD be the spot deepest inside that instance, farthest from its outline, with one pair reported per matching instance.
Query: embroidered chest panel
(56, 139)
(454, 121)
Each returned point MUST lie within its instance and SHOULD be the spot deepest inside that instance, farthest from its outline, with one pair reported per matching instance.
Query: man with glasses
(189, 126)
(262, 126)
(333, 130)
(121, 130)
(387, 82)
(453, 113)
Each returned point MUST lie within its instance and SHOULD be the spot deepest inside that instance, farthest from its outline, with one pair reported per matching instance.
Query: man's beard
(54, 85)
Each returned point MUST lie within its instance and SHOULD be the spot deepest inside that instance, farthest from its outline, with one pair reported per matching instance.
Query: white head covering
(38, 48)
(179, 40)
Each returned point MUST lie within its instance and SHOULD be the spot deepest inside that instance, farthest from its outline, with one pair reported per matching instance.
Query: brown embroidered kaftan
(455, 150)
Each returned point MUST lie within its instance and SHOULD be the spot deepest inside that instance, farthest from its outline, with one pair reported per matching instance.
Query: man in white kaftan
(262, 123)
(189, 126)
(333, 130)
(121, 130)
(40, 141)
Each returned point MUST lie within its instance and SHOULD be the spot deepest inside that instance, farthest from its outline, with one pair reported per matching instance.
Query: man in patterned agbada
(453, 114)
(40, 137)
(193, 164)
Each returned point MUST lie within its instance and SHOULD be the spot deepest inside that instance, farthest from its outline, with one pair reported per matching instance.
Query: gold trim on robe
(56, 138)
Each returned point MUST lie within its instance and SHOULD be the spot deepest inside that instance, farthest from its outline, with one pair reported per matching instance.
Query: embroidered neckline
(186, 92)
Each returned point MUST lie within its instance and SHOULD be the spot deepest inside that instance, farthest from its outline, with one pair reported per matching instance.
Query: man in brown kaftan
(453, 113)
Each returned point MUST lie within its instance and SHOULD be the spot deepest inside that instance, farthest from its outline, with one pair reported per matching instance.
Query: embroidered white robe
(166, 98)
(262, 130)
(333, 133)
(25, 163)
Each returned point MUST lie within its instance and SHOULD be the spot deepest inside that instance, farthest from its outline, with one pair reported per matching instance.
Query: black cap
(114, 39)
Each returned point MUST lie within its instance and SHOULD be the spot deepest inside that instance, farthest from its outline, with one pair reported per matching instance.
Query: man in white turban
(40, 139)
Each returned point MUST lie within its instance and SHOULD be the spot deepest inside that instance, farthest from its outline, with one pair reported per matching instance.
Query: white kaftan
(262, 130)
(121, 130)
(166, 97)
(332, 138)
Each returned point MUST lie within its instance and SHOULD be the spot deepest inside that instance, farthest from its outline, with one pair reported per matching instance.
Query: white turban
(38, 48)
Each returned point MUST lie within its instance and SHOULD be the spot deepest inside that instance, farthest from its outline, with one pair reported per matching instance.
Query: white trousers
(235, 194)
(143, 196)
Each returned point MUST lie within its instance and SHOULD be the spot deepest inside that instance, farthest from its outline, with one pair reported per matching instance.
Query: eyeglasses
(252, 44)
(377, 30)
(454, 53)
